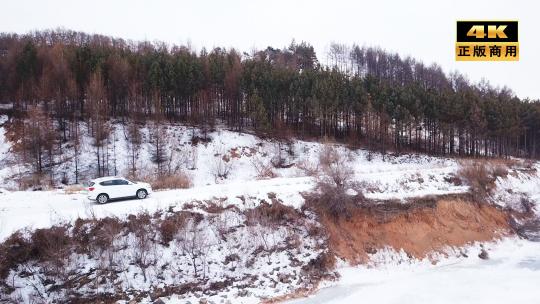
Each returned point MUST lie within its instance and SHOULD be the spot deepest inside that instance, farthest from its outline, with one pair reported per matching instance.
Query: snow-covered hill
(382, 177)
(386, 175)
(279, 271)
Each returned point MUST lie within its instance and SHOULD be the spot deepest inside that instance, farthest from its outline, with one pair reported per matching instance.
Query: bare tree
(76, 140)
(37, 146)
(134, 141)
(145, 248)
(99, 126)
(158, 140)
(194, 242)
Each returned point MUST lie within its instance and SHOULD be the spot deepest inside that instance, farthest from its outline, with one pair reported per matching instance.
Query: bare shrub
(480, 180)
(335, 166)
(321, 265)
(144, 247)
(216, 206)
(233, 257)
(335, 195)
(105, 242)
(80, 234)
(134, 222)
(220, 222)
(528, 164)
(328, 155)
(328, 199)
(309, 168)
(167, 230)
(13, 251)
(171, 225)
(51, 245)
(221, 165)
(453, 179)
(271, 214)
(263, 168)
(194, 242)
(105, 232)
(178, 180)
(195, 139)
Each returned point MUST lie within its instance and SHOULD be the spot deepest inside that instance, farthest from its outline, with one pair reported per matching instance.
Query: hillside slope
(252, 236)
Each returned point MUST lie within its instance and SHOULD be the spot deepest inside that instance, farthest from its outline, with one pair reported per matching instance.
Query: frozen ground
(510, 275)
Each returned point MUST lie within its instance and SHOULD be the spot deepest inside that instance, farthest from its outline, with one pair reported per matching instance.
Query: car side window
(107, 183)
(120, 182)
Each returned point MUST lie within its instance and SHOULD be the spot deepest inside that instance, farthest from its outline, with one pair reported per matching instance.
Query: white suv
(112, 187)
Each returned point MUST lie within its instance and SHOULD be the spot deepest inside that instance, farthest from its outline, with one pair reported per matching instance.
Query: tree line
(362, 95)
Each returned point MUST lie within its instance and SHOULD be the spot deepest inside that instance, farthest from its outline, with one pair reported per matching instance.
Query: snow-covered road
(381, 180)
(510, 275)
(41, 209)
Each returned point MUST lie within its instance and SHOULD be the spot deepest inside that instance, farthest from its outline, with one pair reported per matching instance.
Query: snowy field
(510, 275)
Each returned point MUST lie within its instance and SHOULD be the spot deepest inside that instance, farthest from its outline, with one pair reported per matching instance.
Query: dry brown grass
(504, 162)
(499, 171)
(72, 189)
(480, 175)
(272, 214)
(173, 181)
(177, 180)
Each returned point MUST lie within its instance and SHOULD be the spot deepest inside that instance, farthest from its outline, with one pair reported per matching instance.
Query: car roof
(106, 178)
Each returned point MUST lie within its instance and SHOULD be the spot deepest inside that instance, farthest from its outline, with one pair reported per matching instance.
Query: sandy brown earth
(418, 231)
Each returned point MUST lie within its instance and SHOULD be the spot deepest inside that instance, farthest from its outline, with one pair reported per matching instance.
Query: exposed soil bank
(420, 230)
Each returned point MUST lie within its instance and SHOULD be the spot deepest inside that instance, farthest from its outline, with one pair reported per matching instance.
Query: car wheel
(141, 194)
(102, 198)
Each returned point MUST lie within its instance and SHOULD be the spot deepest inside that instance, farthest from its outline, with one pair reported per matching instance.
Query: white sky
(424, 30)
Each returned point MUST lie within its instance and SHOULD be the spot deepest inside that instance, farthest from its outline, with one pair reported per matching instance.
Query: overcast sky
(424, 30)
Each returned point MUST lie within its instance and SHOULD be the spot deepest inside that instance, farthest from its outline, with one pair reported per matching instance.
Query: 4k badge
(487, 41)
